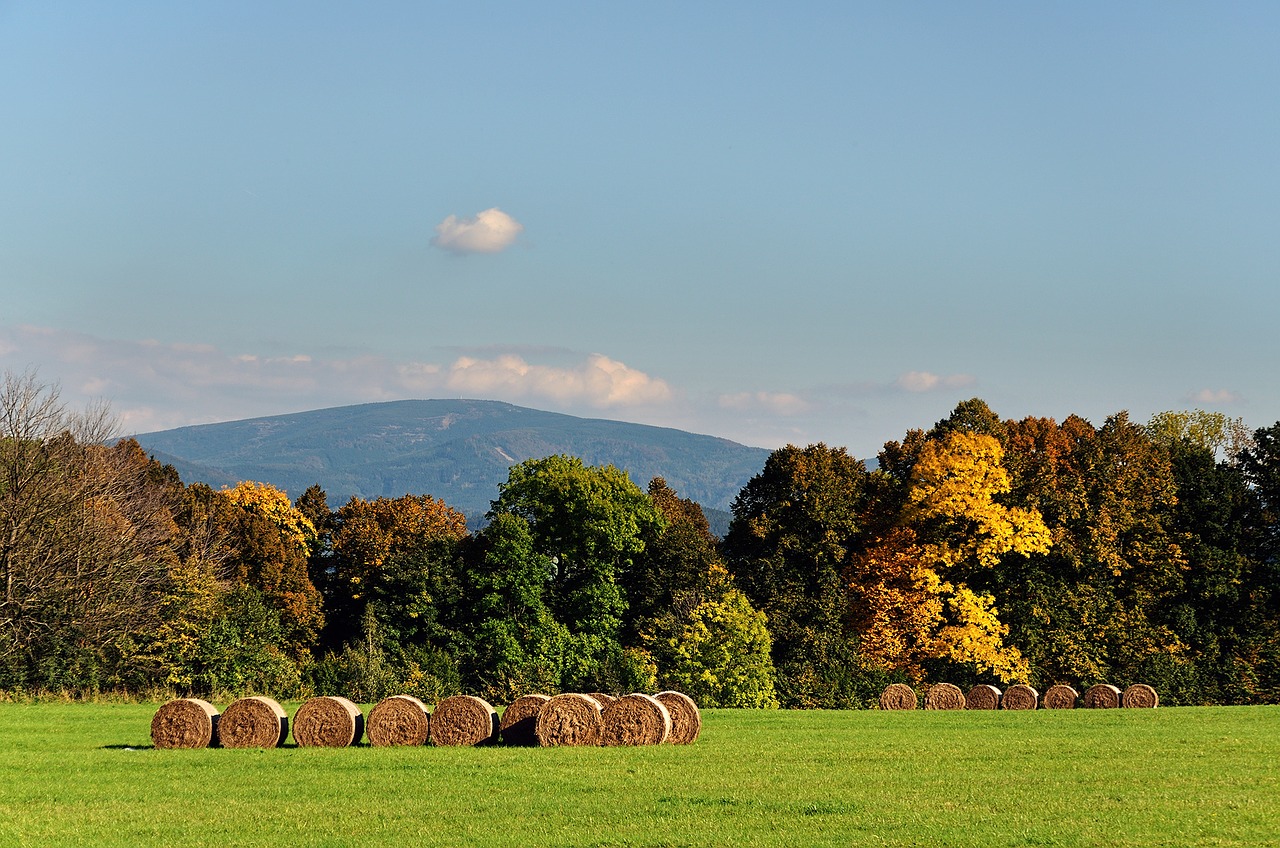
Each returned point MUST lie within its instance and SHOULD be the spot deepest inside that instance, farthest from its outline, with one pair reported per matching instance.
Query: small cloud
(599, 381)
(778, 403)
(924, 381)
(1218, 396)
(490, 231)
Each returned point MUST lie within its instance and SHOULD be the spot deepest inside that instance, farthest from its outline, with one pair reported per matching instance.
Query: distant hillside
(455, 450)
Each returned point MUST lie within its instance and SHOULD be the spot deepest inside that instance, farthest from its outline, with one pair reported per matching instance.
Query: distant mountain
(455, 450)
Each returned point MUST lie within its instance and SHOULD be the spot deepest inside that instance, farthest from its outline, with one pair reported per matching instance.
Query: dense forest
(979, 550)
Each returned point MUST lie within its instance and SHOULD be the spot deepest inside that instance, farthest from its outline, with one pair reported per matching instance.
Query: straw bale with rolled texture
(686, 719)
(1019, 697)
(1060, 697)
(944, 696)
(519, 724)
(1141, 696)
(604, 698)
(398, 720)
(984, 696)
(569, 719)
(328, 721)
(635, 719)
(464, 720)
(256, 722)
(898, 696)
(185, 723)
(1102, 696)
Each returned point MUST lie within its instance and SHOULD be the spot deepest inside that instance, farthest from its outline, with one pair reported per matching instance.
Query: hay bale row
(574, 719)
(945, 696)
(461, 720)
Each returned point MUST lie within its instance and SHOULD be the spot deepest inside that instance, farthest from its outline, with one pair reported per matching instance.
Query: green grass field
(84, 774)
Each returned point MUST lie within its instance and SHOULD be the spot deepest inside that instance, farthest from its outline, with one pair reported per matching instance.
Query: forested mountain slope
(456, 450)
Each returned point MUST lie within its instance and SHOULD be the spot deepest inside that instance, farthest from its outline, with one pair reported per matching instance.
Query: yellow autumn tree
(954, 486)
(270, 540)
(910, 599)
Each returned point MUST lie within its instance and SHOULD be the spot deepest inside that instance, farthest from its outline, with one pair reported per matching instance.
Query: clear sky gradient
(772, 222)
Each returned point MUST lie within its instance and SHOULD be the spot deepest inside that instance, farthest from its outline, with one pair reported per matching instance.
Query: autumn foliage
(979, 550)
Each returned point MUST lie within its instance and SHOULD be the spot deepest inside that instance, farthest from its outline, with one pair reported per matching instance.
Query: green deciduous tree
(721, 658)
(591, 523)
(795, 525)
(513, 644)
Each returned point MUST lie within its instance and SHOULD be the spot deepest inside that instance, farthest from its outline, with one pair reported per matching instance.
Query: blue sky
(775, 223)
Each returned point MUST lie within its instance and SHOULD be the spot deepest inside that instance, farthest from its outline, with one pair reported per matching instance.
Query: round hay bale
(328, 721)
(686, 720)
(898, 696)
(464, 720)
(984, 696)
(519, 724)
(569, 719)
(944, 696)
(635, 720)
(1102, 696)
(604, 698)
(1019, 697)
(1060, 697)
(1140, 696)
(256, 722)
(398, 720)
(185, 723)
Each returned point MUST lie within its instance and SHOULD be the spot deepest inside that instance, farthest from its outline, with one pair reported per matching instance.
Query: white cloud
(924, 381)
(490, 231)
(152, 385)
(598, 382)
(1215, 396)
(777, 403)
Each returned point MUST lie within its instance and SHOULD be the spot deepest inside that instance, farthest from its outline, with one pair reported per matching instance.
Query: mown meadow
(75, 773)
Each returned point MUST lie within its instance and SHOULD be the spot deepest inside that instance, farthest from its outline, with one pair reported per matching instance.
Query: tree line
(980, 550)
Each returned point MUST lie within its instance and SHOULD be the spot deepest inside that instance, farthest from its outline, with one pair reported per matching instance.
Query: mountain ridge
(455, 450)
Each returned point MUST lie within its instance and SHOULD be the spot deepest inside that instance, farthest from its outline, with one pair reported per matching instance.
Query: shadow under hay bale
(1102, 696)
(984, 696)
(185, 723)
(569, 719)
(1139, 696)
(328, 721)
(519, 724)
(898, 696)
(256, 722)
(686, 719)
(398, 720)
(1060, 697)
(944, 696)
(635, 720)
(1019, 697)
(463, 720)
